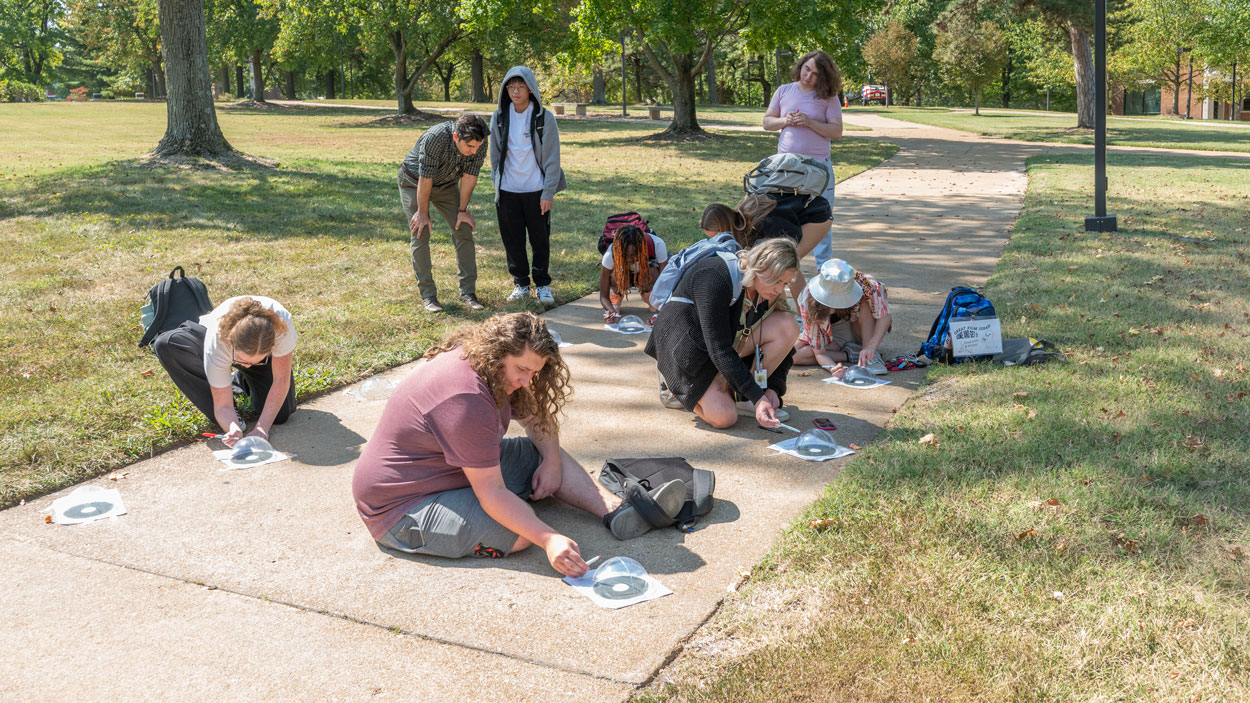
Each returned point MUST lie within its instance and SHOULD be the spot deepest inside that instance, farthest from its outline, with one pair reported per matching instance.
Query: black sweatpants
(181, 353)
(520, 213)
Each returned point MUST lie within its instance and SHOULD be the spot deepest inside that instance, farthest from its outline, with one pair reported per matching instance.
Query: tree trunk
(977, 99)
(403, 93)
(225, 79)
(1189, 93)
(682, 85)
(1083, 63)
(476, 78)
(713, 97)
(238, 80)
(149, 90)
(637, 79)
(451, 71)
(1176, 83)
(289, 88)
(258, 78)
(191, 122)
(1007, 81)
(598, 84)
(330, 84)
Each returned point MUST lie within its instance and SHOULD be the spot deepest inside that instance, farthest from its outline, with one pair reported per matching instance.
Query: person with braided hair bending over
(634, 260)
(439, 478)
(245, 345)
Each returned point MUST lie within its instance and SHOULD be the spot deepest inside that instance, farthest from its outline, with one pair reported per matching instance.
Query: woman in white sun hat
(845, 315)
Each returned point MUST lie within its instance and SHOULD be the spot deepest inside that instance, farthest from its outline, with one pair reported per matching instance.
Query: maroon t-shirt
(439, 421)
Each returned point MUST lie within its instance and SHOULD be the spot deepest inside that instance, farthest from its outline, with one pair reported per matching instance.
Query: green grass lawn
(85, 230)
(1077, 531)
(1194, 135)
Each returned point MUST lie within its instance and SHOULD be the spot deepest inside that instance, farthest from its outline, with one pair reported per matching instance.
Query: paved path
(263, 584)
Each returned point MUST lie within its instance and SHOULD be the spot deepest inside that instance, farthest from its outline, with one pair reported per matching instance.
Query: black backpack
(172, 302)
(651, 473)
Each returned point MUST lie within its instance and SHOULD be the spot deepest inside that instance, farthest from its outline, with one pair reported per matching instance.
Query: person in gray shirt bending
(441, 169)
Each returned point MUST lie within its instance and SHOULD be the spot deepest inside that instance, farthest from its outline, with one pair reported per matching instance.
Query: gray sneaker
(628, 522)
(519, 293)
(545, 297)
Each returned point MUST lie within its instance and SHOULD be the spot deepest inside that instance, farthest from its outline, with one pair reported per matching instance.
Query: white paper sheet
(87, 503)
(787, 447)
(582, 585)
(224, 456)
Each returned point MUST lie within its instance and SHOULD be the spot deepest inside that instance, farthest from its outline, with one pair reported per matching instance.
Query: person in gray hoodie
(525, 168)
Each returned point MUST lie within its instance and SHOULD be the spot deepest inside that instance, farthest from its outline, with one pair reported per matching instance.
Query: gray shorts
(454, 524)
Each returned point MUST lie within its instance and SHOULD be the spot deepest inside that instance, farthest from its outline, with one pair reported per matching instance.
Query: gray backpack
(789, 174)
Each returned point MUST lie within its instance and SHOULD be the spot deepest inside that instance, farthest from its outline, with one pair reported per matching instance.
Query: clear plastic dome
(250, 450)
(859, 376)
(631, 323)
(816, 442)
(375, 389)
(619, 578)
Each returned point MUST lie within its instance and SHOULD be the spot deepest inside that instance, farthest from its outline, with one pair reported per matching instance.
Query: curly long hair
(630, 238)
(829, 78)
(250, 327)
(487, 343)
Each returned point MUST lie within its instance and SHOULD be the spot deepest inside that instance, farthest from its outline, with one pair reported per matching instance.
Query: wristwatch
(463, 209)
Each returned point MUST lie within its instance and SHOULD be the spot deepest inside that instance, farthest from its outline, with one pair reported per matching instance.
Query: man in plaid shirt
(441, 170)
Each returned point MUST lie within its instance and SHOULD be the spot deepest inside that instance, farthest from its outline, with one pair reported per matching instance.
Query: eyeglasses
(234, 360)
(513, 87)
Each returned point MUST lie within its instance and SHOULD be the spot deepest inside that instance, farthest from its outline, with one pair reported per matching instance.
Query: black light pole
(1100, 221)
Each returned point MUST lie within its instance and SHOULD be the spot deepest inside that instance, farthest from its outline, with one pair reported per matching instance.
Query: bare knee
(718, 417)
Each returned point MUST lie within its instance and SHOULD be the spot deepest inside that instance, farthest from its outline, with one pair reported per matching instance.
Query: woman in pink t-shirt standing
(808, 113)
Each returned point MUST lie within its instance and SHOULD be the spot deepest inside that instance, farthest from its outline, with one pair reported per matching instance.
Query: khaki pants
(446, 199)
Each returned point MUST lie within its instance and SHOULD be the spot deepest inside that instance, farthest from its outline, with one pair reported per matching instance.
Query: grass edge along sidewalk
(86, 235)
(1072, 531)
(1193, 135)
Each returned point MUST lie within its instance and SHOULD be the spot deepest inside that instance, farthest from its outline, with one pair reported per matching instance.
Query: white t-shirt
(520, 166)
(661, 254)
(219, 356)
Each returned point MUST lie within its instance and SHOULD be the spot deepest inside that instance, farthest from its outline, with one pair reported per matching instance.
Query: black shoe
(431, 304)
(642, 511)
(471, 301)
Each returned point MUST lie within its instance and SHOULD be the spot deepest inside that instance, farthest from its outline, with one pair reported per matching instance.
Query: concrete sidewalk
(263, 583)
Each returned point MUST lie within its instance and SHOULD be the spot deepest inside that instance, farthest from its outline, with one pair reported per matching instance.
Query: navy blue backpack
(962, 303)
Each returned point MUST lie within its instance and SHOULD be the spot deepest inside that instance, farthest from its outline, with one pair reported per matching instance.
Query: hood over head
(505, 102)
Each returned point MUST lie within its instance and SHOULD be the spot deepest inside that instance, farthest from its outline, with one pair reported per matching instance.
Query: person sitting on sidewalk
(845, 316)
(441, 169)
(720, 350)
(438, 478)
(634, 260)
(525, 167)
(251, 334)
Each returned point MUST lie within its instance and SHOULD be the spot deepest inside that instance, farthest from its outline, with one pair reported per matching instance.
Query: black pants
(181, 353)
(520, 213)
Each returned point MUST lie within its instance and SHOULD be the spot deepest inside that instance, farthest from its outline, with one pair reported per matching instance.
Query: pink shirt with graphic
(803, 140)
(441, 420)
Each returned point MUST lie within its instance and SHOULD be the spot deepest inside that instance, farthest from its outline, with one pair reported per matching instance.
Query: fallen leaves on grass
(1020, 394)
(854, 446)
(824, 522)
(148, 373)
(930, 439)
(1129, 545)
(1053, 502)
(1027, 534)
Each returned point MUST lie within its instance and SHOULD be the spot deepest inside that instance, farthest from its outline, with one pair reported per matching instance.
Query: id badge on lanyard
(761, 374)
